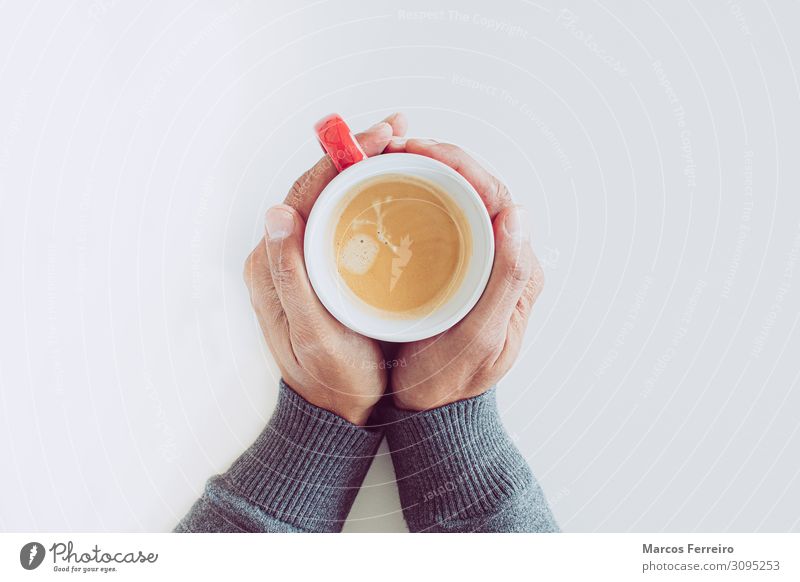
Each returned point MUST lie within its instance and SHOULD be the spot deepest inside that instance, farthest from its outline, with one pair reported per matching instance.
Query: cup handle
(338, 142)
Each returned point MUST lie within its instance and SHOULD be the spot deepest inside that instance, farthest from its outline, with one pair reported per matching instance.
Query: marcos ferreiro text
(695, 552)
(688, 549)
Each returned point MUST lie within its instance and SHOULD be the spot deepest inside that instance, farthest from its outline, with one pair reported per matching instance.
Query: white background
(655, 145)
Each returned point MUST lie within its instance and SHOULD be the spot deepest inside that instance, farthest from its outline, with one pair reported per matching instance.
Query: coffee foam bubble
(358, 254)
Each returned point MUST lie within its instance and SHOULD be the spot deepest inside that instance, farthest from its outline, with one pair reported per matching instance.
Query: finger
(259, 282)
(494, 193)
(287, 267)
(264, 298)
(530, 294)
(512, 269)
(373, 141)
(399, 124)
(519, 319)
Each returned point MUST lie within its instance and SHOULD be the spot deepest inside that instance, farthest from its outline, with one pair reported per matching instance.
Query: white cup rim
(317, 244)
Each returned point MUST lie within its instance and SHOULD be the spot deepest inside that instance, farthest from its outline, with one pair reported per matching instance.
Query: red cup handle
(338, 142)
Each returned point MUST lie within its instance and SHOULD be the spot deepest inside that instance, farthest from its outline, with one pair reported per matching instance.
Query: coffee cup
(398, 247)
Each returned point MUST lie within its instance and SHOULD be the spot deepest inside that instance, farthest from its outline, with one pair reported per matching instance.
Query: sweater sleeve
(301, 475)
(458, 471)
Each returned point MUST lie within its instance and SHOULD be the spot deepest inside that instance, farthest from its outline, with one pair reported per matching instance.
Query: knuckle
(311, 344)
(492, 355)
(450, 154)
(449, 148)
(519, 272)
(284, 273)
(487, 347)
(529, 295)
(520, 266)
(500, 190)
(505, 359)
(251, 266)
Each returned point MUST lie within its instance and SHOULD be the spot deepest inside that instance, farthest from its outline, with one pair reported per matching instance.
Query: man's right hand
(471, 357)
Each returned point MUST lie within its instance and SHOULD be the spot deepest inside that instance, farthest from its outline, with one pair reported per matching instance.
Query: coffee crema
(402, 244)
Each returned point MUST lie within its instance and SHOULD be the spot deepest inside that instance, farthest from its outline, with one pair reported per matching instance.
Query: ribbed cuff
(454, 462)
(305, 469)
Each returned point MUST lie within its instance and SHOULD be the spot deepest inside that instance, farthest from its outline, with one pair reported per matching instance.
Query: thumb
(284, 241)
(512, 269)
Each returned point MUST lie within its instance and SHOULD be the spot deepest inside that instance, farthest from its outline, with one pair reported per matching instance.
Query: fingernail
(279, 223)
(389, 118)
(398, 142)
(381, 127)
(516, 224)
(426, 142)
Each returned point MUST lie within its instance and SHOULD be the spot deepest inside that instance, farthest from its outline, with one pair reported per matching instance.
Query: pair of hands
(346, 373)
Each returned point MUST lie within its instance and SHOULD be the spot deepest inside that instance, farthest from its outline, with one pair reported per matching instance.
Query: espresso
(402, 244)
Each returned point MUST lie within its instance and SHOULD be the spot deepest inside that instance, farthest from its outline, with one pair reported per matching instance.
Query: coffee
(402, 244)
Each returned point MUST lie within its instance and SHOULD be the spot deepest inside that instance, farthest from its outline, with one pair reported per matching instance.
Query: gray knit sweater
(457, 471)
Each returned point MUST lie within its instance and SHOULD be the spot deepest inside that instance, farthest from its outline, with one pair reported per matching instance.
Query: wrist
(354, 407)
(353, 411)
(428, 398)
(356, 415)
